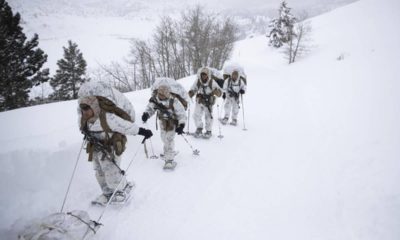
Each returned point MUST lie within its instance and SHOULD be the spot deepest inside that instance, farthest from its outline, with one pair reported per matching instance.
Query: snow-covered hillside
(320, 159)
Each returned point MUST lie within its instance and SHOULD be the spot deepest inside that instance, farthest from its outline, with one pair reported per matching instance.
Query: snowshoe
(224, 120)
(119, 198)
(170, 165)
(234, 122)
(207, 135)
(198, 133)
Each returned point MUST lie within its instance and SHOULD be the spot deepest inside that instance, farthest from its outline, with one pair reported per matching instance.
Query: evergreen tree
(70, 74)
(276, 33)
(20, 61)
(282, 27)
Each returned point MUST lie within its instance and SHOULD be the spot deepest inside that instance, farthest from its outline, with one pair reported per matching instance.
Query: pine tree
(276, 33)
(70, 74)
(282, 27)
(20, 61)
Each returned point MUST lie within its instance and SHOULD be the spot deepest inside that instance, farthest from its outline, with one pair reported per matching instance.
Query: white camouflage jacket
(233, 86)
(177, 111)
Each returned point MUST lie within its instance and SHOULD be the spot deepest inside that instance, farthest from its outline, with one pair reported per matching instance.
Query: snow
(320, 159)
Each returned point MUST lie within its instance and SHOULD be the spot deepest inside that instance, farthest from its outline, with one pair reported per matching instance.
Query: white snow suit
(105, 163)
(232, 101)
(205, 99)
(172, 115)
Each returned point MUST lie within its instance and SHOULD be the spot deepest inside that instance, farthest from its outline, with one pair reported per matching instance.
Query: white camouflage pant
(168, 138)
(199, 110)
(108, 175)
(231, 104)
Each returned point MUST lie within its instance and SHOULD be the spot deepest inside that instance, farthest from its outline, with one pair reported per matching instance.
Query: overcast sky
(244, 6)
(260, 3)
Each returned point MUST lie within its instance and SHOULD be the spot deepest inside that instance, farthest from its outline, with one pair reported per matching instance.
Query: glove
(223, 96)
(145, 132)
(145, 116)
(191, 93)
(241, 91)
(216, 92)
(180, 128)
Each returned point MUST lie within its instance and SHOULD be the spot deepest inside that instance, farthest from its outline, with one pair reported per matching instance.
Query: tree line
(177, 49)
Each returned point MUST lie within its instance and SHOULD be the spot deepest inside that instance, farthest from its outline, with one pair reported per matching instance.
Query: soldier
(172, 116)
(233, 86)
(206, 91)
(105, 125)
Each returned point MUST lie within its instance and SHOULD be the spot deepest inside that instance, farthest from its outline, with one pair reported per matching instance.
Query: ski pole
(220, 136)
(188, 119)
(152, 150)
(72, 177)
(223, 104)
(244, 124)
(145, 150)
(195, 151)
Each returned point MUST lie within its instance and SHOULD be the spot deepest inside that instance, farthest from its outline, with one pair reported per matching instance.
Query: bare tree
(120, 76)
(142, 54)
(209, 39)
(168, 51)
(180, 47)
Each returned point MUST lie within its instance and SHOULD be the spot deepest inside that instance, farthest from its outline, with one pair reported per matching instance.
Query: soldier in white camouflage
(172, 116)
(206, 90)
(233, 87)
(105, 125)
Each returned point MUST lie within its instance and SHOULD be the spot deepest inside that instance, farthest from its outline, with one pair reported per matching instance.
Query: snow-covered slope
(320, 159)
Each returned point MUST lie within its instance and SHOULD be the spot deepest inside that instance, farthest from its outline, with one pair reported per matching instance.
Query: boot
(198, 133)
(102, 199)
(224, 120)
(119, 197)
(169, 165)
(207, 134)
(234, 122)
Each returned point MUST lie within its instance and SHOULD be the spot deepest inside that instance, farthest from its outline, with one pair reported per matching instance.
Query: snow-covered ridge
(320, 159)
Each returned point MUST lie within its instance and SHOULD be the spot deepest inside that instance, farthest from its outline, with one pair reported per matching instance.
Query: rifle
(100, 146)
(97, 143)
(207, 102)
(158, 106)
(233, 94)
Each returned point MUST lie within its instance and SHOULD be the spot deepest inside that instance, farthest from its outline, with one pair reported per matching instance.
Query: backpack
(105, 90)
(217, 77)
(229, 68)
(176, 90)
(110, 101)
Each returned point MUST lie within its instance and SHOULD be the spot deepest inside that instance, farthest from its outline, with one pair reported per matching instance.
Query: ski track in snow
(320, 159)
